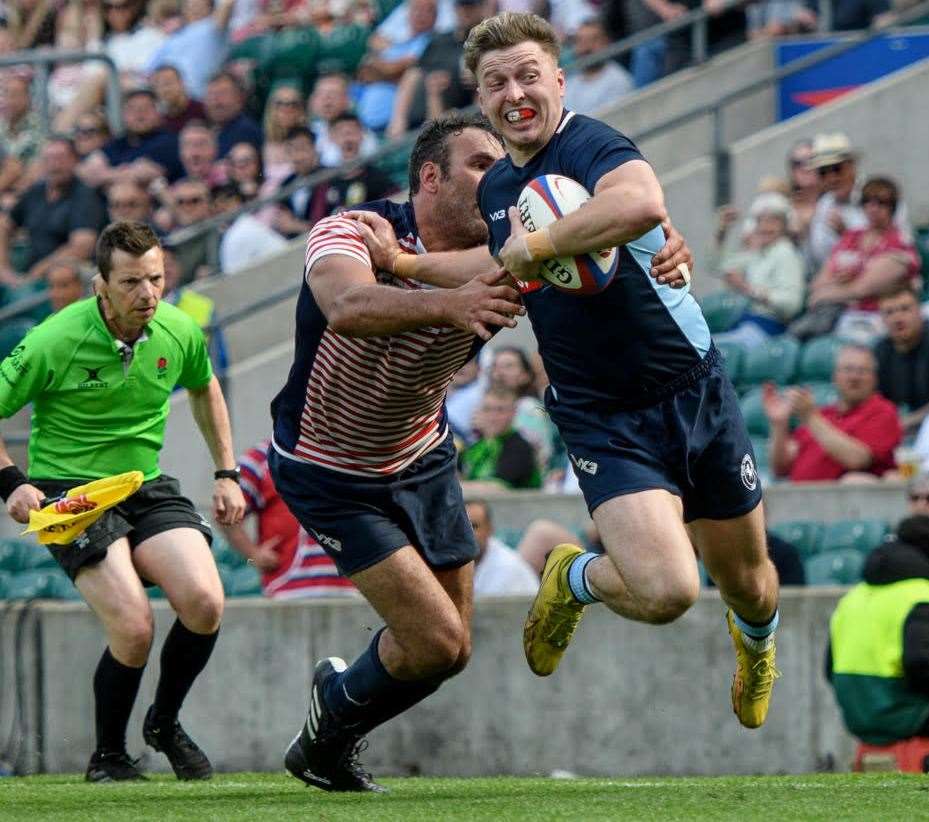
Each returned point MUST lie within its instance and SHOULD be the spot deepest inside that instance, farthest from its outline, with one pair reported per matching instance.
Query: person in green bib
(99, 375)
(878, 656)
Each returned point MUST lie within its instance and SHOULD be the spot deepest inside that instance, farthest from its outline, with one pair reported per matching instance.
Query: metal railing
(44, 59)
(716, 110)
(696, 20)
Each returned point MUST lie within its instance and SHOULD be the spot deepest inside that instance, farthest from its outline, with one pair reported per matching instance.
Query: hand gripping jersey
(367, 406)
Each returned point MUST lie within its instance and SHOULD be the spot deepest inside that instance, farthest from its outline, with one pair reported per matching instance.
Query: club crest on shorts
(748, 473)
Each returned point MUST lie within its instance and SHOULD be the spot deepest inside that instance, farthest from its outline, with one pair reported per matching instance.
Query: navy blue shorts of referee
(156, 507)
(692, 443)
(360, 521)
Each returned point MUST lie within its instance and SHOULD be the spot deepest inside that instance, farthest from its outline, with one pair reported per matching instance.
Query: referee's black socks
(115, 689)
(183, 656)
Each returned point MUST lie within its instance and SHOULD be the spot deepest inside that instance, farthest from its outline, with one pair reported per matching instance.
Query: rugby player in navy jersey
(362, 452)
(650, 420)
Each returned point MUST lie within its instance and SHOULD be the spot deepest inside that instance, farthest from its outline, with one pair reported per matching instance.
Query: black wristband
(227, 473)
(10, 479)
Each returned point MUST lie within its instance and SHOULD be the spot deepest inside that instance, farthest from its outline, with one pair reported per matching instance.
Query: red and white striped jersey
(367, 406)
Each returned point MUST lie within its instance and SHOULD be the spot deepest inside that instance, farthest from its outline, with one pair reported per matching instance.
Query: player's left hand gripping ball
(516, 256)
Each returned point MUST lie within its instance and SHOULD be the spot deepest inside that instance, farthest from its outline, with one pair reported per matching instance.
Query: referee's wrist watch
(227, 473)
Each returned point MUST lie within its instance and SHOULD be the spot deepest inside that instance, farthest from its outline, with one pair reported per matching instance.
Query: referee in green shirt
(99, 375)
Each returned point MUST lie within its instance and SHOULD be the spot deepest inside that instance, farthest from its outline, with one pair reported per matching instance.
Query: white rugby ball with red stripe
(548, 198)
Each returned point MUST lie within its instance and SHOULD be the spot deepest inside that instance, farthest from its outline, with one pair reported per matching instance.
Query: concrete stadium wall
(628, 700)
(688, 89)
(883, 119)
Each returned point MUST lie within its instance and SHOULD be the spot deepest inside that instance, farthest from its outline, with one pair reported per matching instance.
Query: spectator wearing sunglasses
(866, 262)
(836, 163)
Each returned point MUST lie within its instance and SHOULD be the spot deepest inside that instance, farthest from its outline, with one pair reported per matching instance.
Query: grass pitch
(257, 797)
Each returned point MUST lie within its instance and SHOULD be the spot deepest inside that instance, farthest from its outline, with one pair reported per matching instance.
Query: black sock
(365, 695)
(115, 689)
(183, 656)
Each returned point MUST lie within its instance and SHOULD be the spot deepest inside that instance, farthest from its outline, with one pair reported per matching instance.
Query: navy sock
(365, 695)
(183, 656)
(115, 689)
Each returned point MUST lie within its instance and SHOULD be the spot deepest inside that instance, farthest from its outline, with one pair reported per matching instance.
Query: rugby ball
(546, 199)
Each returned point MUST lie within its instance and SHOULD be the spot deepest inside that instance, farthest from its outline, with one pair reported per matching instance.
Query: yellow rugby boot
(753, 679)
(554, 615)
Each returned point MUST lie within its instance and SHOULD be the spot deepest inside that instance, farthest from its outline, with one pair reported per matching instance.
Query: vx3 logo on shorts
(496, 216)
(325, 539)
(587, 466)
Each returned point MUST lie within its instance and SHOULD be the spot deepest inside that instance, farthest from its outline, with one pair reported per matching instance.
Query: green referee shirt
(98, 408)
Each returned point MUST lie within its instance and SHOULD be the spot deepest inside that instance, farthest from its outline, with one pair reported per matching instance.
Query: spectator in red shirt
(176, 105)
(855, 435)
(291, 562)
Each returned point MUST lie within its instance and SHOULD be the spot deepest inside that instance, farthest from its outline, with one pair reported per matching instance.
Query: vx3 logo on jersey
(587, 466)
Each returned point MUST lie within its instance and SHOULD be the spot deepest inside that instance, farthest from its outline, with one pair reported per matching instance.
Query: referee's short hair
(126, 235)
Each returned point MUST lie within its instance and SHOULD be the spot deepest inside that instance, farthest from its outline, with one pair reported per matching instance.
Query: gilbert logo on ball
(546, 199)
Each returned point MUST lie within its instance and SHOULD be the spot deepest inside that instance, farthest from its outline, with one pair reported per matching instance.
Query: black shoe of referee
(324, 754)
(185, 756)
(110, 766)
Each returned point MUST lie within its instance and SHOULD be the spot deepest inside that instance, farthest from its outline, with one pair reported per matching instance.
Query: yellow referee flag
(63, 519)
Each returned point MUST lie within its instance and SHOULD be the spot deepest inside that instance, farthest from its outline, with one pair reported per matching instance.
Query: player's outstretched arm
(212, 418)
(355, 305)
(443, 269)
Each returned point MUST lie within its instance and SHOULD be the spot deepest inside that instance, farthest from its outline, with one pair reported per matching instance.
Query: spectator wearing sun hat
(838, 209)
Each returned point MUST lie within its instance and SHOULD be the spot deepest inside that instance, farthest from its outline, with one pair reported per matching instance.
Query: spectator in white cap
(770, 272)
(838, 208)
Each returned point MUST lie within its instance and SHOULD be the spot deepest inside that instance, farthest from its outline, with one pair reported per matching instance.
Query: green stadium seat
(511, 536)
(60, 587)
(774, 360)
(154, 592)
(31, 585)
(805, 535)
(753, 411)
(722, 310)
(11, 333)
(834, 567)
(817, 358)
(226, 555)
(860, 535)
(733, 354)
(13, 554)
(243, 582)
(35, 557)
(4, 581)
(824, 393)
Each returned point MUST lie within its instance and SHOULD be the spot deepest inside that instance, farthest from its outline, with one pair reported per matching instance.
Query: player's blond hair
(509, 29)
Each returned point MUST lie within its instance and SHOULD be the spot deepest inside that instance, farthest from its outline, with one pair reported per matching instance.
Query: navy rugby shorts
(693, 443)
(360, 521)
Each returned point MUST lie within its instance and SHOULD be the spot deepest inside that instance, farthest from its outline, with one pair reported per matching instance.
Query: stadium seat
(907, 756)
(834, 567)
(817, 358)
(226, 555)
(11, 333)
(860, 535)
(510, 536)
(31, 585)
(824, 393)
(762, 462)
(154, 592)
(13, 554)
(753, 411)
(732, 353)
(60, 587)
(243, 582)
(4, 580)
(35, 557)
(805, 535)
(722, 309)
(774, 360)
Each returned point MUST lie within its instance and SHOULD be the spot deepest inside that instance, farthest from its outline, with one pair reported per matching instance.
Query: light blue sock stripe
(576, 581)
(757, 631)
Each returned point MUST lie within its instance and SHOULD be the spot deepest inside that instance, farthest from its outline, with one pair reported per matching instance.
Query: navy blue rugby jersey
(632, 343)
